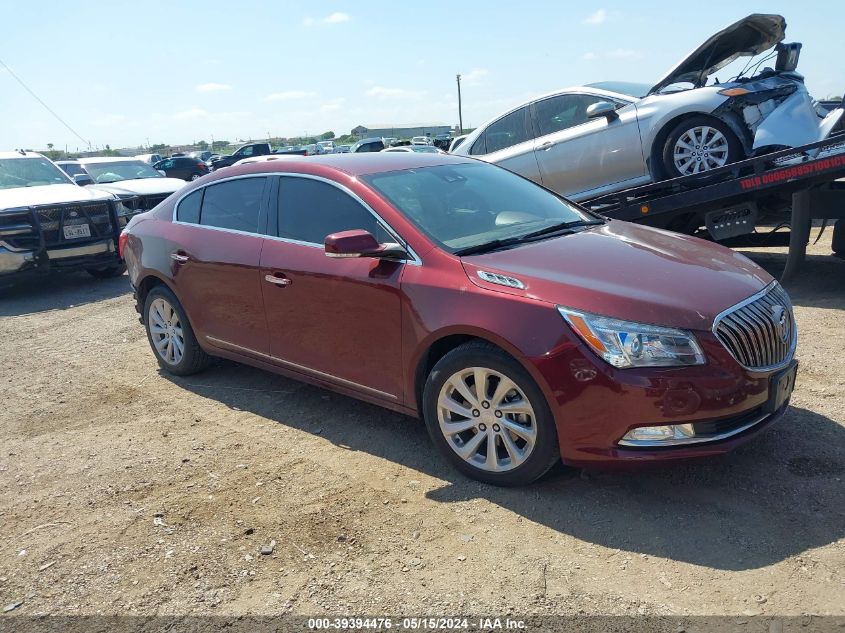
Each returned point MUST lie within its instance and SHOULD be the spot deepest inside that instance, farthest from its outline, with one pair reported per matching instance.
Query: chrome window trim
(695, 440)
(415, 261)
(302, 368)
(792, 345)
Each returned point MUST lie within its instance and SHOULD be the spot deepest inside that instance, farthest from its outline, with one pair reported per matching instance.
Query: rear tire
(511, 417)
(170, 334)
(108, 272)
(195, 177)
(699, 144)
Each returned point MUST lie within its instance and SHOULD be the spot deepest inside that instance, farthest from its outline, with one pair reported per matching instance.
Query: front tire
(502, 433)
(699, 144)
(170, 334)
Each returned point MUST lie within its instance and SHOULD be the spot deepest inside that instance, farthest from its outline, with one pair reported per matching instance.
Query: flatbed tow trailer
(791, 187)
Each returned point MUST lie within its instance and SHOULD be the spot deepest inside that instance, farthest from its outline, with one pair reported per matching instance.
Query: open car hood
(749, 36)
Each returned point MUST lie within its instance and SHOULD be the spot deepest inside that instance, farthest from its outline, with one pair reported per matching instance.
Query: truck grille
(53, 220)
(148, 202)
(760, 332)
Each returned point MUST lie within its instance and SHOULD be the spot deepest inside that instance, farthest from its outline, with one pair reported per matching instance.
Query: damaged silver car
(600, 138)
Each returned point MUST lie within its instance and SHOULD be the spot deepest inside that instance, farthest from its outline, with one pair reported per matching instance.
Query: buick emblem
(781, 322)
(74, 214)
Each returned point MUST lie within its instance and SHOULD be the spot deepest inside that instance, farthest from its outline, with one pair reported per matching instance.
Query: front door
(215, 267)
(580, 156)
(334, 319)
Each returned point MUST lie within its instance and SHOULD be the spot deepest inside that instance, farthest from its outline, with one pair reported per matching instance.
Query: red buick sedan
(520, 327)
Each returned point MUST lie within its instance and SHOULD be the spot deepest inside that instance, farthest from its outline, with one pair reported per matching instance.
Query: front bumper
(92, 255)
(596, 405)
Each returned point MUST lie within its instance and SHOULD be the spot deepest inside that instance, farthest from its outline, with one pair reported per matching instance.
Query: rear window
(508, 131)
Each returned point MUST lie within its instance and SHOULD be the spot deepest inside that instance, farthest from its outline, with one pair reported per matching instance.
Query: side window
(309, 210)
(562, 112)
(189, 208)
(168, 164)
(234, 204)
(506, 132)
(247, 151)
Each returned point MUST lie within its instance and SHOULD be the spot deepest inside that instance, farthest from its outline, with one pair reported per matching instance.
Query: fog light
(657, 434)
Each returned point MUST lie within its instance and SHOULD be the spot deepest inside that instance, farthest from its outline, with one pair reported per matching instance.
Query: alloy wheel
(166, 331)
(700, 149)
(486, 419)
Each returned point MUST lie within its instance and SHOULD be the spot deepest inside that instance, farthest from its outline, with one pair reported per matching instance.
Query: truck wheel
(107, 272)
(488, 417)
(170, 334)
(699, 144)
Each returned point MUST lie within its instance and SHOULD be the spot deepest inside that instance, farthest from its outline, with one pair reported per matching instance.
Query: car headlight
(627, 344)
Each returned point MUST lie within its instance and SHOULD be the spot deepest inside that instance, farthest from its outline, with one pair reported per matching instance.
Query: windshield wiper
(493, 245)
(561, 226)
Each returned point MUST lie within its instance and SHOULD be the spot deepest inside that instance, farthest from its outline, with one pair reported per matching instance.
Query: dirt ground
(123, 490)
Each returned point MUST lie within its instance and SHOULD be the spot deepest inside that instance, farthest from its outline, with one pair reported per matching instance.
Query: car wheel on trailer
(107, 272)
(699, 144)
(488, 417)
(170, 334)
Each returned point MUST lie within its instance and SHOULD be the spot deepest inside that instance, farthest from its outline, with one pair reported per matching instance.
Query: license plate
(780, 388)
(77, 230)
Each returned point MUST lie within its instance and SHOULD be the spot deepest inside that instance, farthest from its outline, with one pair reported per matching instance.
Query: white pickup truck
(48, 222)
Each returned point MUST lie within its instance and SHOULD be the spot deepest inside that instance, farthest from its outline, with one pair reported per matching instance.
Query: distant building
(400, 131)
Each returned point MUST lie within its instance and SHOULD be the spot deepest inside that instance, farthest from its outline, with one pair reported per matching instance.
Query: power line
(46, 107)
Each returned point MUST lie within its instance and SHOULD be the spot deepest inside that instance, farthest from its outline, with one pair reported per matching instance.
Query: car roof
(109, 159)
(348, 164)
(67, 162)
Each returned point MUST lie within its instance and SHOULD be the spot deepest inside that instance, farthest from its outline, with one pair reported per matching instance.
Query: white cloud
(624, 53)
(333, 18)
(289, 95)
(474, 76)
(589, 56)
(380, 92)
(332, 105)
(596, 18)
(213, 87)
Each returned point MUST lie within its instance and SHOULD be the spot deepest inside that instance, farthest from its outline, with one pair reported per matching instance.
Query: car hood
(749, 36)
(141, 186)
(629, 272)
(48, 194)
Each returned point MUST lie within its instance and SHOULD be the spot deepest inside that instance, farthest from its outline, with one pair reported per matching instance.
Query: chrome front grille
(760, 332)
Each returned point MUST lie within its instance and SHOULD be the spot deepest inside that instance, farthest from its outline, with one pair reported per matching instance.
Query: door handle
(546, 145)
(277, 281)
(179, 258)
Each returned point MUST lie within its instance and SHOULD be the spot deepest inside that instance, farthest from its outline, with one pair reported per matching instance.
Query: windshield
(468, 204)
(120, 170)
(29, 172)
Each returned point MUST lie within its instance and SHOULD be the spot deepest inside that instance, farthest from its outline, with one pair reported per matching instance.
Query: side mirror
(359, 243)
(162, 172)
(602, 109)
(83, 180)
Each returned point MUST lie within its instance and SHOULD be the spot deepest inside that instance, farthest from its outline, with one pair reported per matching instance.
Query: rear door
(334, 319)
(579, 156)
(508, 143)
(216, 265)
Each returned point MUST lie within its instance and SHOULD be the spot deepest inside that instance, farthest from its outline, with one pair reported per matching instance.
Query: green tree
(220, 144)
(202, 145)
(326, 136)
(158, 147)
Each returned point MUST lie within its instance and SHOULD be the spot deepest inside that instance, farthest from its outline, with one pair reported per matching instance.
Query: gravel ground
(123, 490)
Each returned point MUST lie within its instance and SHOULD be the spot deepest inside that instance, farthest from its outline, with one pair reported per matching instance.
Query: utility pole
(460, 114)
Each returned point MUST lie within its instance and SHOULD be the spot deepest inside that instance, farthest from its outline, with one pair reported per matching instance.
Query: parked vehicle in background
(150, 158)
(516, 324)
(374, 144)
(420, 140)
(183, 167)
(456, 142)
(425, 149)
(389, 141)
(130, 177)
(327, 146)
(203, 156)
(605, 137)
(442, 141)
(74, 168)
(270, 157)
(342, 149)
(245, 151)
(49, 223)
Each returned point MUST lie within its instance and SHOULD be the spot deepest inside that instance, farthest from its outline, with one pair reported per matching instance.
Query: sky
(136, 73)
